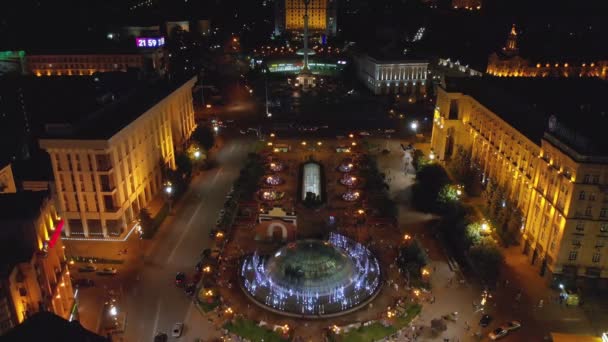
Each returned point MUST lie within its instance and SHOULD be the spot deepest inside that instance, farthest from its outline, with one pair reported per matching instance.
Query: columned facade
(392, 77)
(561, 193)
(102, 185)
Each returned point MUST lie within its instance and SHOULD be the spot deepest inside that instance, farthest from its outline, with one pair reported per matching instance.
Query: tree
(184, 165)
(203, 135)
(473, 234)
(429, 181)
(487, 259)
(411, 259)
(146, 222)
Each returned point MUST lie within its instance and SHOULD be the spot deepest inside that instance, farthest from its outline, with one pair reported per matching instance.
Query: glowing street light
(169, 188)
(432, 155)
(272, 135)
(407, 237)
(303, 143)
(319, 143)
(351, 135)
(354, 143)
(113, 310)
(197, 154)
(414, 125)
(208, 106)
(216, 129)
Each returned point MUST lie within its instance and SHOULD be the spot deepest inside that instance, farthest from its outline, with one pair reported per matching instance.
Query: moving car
(190, 288)
(177, 329)
(485, 320)
(180, 279)
(87, 268)
(108, 271)
(497, 333)
(512, 325)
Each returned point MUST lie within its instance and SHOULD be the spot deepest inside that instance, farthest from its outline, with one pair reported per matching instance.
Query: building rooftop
(528, 103)
(106, 120)
(46, 326)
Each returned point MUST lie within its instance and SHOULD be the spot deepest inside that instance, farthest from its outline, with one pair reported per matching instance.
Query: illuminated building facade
(392, 77)
(289, 16)
(73, 65)
(549, 161)
(508, 63)
(34, 275)
(109, 167)
(467, 4)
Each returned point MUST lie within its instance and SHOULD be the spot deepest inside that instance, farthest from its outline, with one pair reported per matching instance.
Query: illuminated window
(573, 255)
(603, 212)
(596, 257)
(586, 179)
(604, 227)
(596, 179)
(581, 195)
(580, 225)
(588, 211)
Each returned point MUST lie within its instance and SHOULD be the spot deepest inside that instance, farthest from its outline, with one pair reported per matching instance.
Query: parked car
(180, 279)
(512, 325)
(177, 329)
(497, 333)
(83, 282)
(485, 320)
(87, 268)
(108, 271)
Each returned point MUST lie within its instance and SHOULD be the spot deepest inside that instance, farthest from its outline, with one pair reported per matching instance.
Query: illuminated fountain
(351, 195)
(313, 278)
(346, 165)
(276, 166)
(272, 195)
(348, 180)
(273, 180)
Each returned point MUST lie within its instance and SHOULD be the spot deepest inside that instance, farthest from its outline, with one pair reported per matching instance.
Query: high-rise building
(34, 274)
(541, 141)
(107, 165)
(289, 16)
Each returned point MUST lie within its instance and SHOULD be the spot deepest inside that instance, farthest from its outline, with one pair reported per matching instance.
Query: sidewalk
(450, 294)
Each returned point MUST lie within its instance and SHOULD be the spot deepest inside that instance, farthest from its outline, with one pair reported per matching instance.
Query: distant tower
(305, 78)
(510, 49)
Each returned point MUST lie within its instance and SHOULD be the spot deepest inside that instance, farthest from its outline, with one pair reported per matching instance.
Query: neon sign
(149, 42)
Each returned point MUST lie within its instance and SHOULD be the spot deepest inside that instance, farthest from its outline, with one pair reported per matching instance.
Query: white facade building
(392, 77)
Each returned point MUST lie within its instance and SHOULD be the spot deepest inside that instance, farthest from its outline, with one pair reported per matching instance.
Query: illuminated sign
(149, 42)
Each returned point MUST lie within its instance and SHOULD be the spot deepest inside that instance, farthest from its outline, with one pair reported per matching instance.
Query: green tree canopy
(203, 135)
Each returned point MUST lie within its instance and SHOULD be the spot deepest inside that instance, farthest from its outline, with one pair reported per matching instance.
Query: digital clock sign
(149, 42)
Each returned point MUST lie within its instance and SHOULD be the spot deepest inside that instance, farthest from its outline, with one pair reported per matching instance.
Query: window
(596, 257)
(596, 179)
(586, 179)
(573, 255)
(603, 212)
(592, 196)
(580, 225)
(588, 211)
(604, 227)
(581, 195)
(600, 243)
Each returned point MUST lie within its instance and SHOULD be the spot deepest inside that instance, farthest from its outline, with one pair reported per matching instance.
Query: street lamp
(113, 310)
(432, 155)
(169, 188)
(414, 125)
(216, 129)
(197, 154)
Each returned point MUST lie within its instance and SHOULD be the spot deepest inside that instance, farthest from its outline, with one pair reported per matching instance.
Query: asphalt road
(153, 302)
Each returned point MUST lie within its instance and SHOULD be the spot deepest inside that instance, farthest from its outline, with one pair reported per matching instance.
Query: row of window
(91, 59)
(580, 226)
(594, 258)
(589, 212)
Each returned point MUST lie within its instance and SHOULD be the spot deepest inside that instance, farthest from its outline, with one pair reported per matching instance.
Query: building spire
(510, 48)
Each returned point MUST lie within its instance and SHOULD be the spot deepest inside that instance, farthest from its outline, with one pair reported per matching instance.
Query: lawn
(250, 330)
(377, 331)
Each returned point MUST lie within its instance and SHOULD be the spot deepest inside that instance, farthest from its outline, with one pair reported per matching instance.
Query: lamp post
(169, 193)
